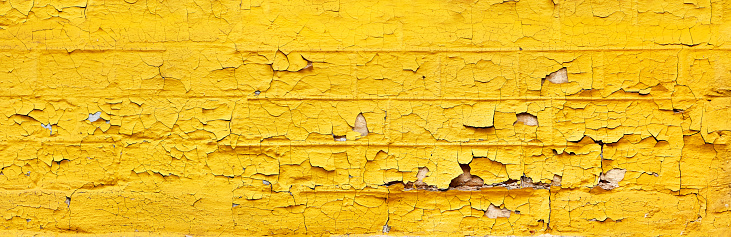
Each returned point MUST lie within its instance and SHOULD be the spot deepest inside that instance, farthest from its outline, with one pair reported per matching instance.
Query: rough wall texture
(319, 117)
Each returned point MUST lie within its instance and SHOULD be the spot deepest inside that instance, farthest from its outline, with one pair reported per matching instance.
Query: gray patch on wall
(94, 117)
(48, 127)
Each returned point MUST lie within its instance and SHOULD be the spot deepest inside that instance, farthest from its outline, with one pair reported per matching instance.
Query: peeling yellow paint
(443, 118)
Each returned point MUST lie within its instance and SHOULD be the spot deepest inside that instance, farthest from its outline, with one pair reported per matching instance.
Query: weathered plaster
(446, 118)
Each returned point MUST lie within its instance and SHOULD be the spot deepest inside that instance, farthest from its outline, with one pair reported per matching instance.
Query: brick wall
(208, 118)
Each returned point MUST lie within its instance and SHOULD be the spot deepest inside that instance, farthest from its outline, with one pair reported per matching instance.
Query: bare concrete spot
(266, 182)
(339, 138)
(611, 179)
(68, 202)
(466, 181)
(360, 125)
(257, 92)
(420, 184)
(526, 182)
(527, 119)
(556, 180)
(94, 117)
(422, 173)
(494, 212)
(235, 205)
(557, 77)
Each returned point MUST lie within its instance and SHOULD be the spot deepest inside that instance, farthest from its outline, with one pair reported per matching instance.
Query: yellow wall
(228, 117)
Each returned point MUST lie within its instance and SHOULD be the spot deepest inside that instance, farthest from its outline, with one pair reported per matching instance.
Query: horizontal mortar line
(416, 191)
(466, 98)
(355, 50)
(371, 98)
(485, 50)
(299, 144)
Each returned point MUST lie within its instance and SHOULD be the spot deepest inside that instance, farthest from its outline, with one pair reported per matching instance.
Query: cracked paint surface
(587, 118)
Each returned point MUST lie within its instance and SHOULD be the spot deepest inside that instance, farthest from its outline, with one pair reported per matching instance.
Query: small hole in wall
(257, 92)
(68, 201)
(527, 119)
(386, 228)
(339, 138)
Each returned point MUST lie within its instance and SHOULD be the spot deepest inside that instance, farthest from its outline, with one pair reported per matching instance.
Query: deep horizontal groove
(474, 99)
(346, 143)
(639, 97)
(357, 50)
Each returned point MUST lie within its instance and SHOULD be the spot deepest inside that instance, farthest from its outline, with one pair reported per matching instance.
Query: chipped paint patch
(611, 179)
(94, 117)
(494, 212)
